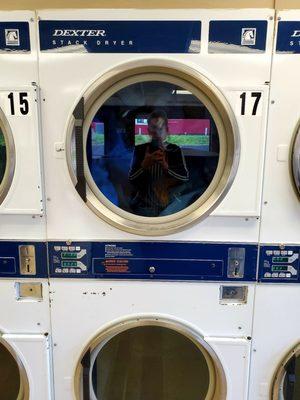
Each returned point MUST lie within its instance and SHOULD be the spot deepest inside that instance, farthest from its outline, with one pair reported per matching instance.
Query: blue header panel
(120, 36)
(33, 253)
(237, 36)
(14, 37)
(153, 260)
(288, 37)
(280, 264)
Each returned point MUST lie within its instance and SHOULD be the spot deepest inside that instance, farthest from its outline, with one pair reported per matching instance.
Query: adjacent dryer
(275, 370)
(21, 189)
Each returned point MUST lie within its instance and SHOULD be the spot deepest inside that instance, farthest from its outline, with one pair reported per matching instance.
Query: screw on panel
(273, 102)
(31, 19)
(279, 19)
(265, 203)
(271, 18)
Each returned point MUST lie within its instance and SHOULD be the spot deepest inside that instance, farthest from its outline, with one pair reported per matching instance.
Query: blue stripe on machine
(237, 36)
(120, 36)
(288, 37)
(154, 260)
(10, 259)
(14, 37)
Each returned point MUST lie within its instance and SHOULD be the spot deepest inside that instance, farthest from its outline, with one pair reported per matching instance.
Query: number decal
(248, 106)
(18, 103)
(24, 105)
(243, 106)
(257, 96)
(12, 105)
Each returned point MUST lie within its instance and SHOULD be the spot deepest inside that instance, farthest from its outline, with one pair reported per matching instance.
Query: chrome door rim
(218, 388)
(228, 135)
(10, 156)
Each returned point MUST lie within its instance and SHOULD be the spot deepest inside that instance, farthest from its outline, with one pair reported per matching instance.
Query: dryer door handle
(86, 365)
(79, 117)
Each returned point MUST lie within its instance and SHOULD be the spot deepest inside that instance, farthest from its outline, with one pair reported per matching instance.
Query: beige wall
(287, 4)
(40, 4)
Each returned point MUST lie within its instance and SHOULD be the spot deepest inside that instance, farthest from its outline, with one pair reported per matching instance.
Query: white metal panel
(25, 193)
(34, 352)
(276, 330)
(236, 218)
(234, 355)
(23, 316)
(90, 306)
(281, 206)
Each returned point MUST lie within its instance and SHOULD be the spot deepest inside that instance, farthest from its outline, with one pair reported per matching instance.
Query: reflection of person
(157, 168)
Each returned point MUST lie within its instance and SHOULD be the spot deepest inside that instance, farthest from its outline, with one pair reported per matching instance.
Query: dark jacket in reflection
(156, 187)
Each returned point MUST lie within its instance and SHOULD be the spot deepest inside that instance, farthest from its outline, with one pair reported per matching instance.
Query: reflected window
(9, 375)
(149, 363)
(153, 148)
(2, 156)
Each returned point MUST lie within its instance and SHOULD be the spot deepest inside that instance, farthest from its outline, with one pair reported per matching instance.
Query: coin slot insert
(27, 260)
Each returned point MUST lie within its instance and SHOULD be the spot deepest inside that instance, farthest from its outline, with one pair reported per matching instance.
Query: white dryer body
(226, 77)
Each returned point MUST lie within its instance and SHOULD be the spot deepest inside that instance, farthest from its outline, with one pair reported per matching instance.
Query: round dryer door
(6, 157)
(13, 380)
(296, 161)
(287, 379)
(153, 149)
(149, 362)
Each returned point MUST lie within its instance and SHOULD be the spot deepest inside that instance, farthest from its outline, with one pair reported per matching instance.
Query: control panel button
(269, 252)
(290, 252)
(275, 275)
(276, 253)
(281, 275)
(267, 275)
(284, 252)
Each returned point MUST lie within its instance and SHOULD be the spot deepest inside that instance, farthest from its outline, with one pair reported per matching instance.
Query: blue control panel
(23, 260)
(279, 264)
(153, 260)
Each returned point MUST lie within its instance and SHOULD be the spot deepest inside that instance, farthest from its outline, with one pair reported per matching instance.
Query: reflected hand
(157, 156)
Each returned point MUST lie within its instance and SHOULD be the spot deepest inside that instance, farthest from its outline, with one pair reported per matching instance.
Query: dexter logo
(80, 32)
(296, 34)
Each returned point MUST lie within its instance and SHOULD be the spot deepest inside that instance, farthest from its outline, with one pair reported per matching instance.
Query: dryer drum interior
(296, 161)
(150, 362)
(13, 379)
(286, 384)
(151, 150)
(7, 156)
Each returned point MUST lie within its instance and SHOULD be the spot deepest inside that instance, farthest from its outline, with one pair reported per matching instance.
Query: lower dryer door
(149, 361)
(13, 379)
(286, 384)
